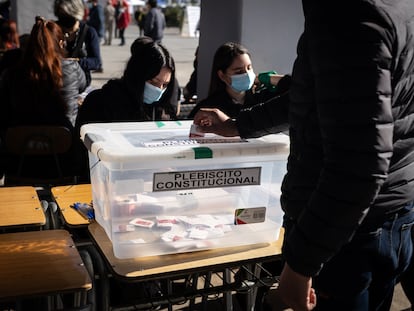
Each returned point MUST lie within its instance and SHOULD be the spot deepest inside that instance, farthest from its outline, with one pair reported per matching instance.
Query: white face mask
(243, 82)
(152, 93)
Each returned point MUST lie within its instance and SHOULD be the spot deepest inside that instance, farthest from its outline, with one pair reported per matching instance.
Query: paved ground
(182, 49)
(114, 57)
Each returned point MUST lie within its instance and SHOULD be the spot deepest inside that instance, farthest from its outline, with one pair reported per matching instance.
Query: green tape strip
(159, 124)
(203, 153)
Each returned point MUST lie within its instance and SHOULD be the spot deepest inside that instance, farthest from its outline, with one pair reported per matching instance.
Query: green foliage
(174, 16)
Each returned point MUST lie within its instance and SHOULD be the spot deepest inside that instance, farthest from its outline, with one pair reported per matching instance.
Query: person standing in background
(96, 18)
(122, 20)
(154, 22)
(139, 16)
(109, 15)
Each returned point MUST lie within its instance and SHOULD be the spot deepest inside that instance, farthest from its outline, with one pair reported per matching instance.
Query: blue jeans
(363, 274)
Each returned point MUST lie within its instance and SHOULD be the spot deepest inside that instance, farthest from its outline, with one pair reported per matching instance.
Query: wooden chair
(35, 155)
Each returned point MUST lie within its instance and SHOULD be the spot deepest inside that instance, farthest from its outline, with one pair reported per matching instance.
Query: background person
(154, 22)
(96, 18)
(139, 16)
(9, 36)
(109, 15)
(123, 19)
(82, 41)
(347, 195)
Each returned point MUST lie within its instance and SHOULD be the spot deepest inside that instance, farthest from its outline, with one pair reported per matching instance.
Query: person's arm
(213, 120)
(267, 118)
(82, 82)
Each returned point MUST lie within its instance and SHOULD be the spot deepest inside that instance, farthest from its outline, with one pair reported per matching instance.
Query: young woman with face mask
(143, 93)
(147, 90)
(232, 80)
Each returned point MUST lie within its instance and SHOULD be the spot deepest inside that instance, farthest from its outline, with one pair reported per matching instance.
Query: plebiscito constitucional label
(231, 177)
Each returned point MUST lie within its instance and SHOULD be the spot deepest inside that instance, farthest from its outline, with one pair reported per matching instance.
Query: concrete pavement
(115, 57)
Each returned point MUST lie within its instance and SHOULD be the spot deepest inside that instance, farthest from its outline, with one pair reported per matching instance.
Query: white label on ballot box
(206, 179)
(250, 215)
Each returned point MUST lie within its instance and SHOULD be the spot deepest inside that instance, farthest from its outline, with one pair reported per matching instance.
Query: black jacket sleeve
(266, 118)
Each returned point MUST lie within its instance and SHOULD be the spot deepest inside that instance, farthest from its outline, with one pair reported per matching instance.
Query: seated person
(43, 87)
(145, 92)
(232, 81)
(190, 89)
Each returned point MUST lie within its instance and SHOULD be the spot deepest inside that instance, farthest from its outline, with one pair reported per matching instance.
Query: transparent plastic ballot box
(157, 191)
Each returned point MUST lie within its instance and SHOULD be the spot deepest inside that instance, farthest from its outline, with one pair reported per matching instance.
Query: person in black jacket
(348, 192)
(232, 82)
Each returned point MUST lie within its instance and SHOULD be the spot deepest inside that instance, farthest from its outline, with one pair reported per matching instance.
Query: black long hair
(147, 59)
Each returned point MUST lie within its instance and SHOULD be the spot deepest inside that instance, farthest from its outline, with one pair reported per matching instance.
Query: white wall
(25, 11)
(269, 29)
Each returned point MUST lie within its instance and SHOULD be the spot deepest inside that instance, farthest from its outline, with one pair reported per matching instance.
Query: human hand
(213, 120)
(274, 79)
(296, 291)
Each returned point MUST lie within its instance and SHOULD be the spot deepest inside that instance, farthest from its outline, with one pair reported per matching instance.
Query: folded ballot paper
(195, 131)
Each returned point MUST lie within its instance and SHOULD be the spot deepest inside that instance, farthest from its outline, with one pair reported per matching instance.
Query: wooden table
(40, 263)
(190, 265)
(65, 196)
(159, 267)
(153, 267)
(20, 206)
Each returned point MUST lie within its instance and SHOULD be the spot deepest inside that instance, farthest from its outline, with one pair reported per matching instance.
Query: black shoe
(99, 70)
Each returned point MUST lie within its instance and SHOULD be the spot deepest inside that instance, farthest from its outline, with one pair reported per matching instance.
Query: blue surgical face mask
(152, 93)
(243, 82)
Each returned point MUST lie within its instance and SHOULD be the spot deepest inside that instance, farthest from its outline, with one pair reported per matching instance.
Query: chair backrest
(34, 153)
(38, 140)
